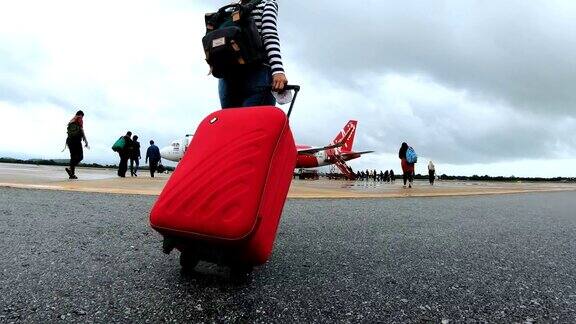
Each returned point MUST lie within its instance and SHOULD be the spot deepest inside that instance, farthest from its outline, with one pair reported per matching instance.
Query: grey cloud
(17, 76)
(21, 95)
(10, 64)
(516, 51)
(446, 141)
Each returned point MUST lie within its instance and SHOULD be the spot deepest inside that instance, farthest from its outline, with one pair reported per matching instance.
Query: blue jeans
(246, 89)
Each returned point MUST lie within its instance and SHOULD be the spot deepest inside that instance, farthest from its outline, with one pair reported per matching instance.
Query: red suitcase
(223, 202)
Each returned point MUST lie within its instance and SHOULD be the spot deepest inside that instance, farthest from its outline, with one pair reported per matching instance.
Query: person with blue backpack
(408, 158)
(242, 47)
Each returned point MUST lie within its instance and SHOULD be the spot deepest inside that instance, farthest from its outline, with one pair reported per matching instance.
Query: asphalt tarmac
(80, 257)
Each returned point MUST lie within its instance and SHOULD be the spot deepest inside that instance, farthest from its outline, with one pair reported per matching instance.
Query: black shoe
(73, 177)
(69, 172)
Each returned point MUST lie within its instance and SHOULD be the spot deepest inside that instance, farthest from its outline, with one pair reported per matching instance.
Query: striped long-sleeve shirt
(266, 16)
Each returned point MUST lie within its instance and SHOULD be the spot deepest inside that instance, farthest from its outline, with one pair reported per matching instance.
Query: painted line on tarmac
(303, 196)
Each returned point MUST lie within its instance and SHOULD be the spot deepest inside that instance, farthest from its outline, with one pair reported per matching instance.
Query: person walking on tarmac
(135, 156)
(244, 89)
(74, 140)
(431, 172)
(124, 154)
(407, 168)
(153, 154)
(392, 177)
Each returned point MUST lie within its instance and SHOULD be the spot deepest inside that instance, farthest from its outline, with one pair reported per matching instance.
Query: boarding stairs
(343, 167)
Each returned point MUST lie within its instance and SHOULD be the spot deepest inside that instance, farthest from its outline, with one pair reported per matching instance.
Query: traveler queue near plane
(373, 175)
(408, 160)
(390, 177)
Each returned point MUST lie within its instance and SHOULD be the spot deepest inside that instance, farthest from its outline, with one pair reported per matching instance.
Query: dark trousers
(247, 88)
(153, 166)
(76, 152)
(123, 166)
(133, 169)
(431, 176)
(408, 176)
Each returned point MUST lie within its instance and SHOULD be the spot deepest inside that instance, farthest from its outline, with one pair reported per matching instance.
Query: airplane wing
(313, 150)
(356, 153)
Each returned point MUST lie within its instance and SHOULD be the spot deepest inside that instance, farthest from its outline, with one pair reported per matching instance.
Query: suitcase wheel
(168, 244)
(241, 270)
(188, 261)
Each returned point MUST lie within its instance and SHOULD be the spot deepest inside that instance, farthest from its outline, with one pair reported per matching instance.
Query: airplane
(337, 153)
(175, 152)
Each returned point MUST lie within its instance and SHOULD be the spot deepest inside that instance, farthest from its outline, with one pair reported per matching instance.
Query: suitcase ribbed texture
(232, 183)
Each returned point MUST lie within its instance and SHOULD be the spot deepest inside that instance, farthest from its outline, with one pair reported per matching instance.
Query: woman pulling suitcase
(230, 217)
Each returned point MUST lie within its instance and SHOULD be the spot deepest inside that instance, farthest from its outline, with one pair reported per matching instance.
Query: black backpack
(74, 130)
(232, 41)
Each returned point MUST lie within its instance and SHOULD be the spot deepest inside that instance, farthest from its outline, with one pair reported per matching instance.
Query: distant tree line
(65, 162)
(466, 178)
(500, 178)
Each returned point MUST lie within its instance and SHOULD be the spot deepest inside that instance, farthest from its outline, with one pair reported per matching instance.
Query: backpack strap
(213, 19)
(251, 5)
(237, 9)
(245, 10)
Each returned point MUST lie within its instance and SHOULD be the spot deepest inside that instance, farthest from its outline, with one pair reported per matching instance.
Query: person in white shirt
(431, 172)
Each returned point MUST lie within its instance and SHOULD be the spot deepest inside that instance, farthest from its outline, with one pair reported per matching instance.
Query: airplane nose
(165, 152)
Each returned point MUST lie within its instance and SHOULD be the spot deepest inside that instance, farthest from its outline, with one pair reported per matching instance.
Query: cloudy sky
(478, 86)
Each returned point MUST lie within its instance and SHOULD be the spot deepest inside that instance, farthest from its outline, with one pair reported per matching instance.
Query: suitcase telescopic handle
(296, 89)
(288, 87)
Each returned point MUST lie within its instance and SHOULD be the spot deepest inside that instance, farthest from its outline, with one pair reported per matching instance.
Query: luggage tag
(219, 42)
(283, 97)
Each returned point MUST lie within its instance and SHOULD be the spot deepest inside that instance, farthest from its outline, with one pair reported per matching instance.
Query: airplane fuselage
(319, 159)
(337, 153)
(176, 151)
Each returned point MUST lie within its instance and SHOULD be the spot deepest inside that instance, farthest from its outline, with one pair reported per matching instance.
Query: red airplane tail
(351, 126)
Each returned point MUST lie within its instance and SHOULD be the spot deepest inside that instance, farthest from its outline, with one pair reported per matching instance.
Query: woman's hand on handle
(279, 81)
